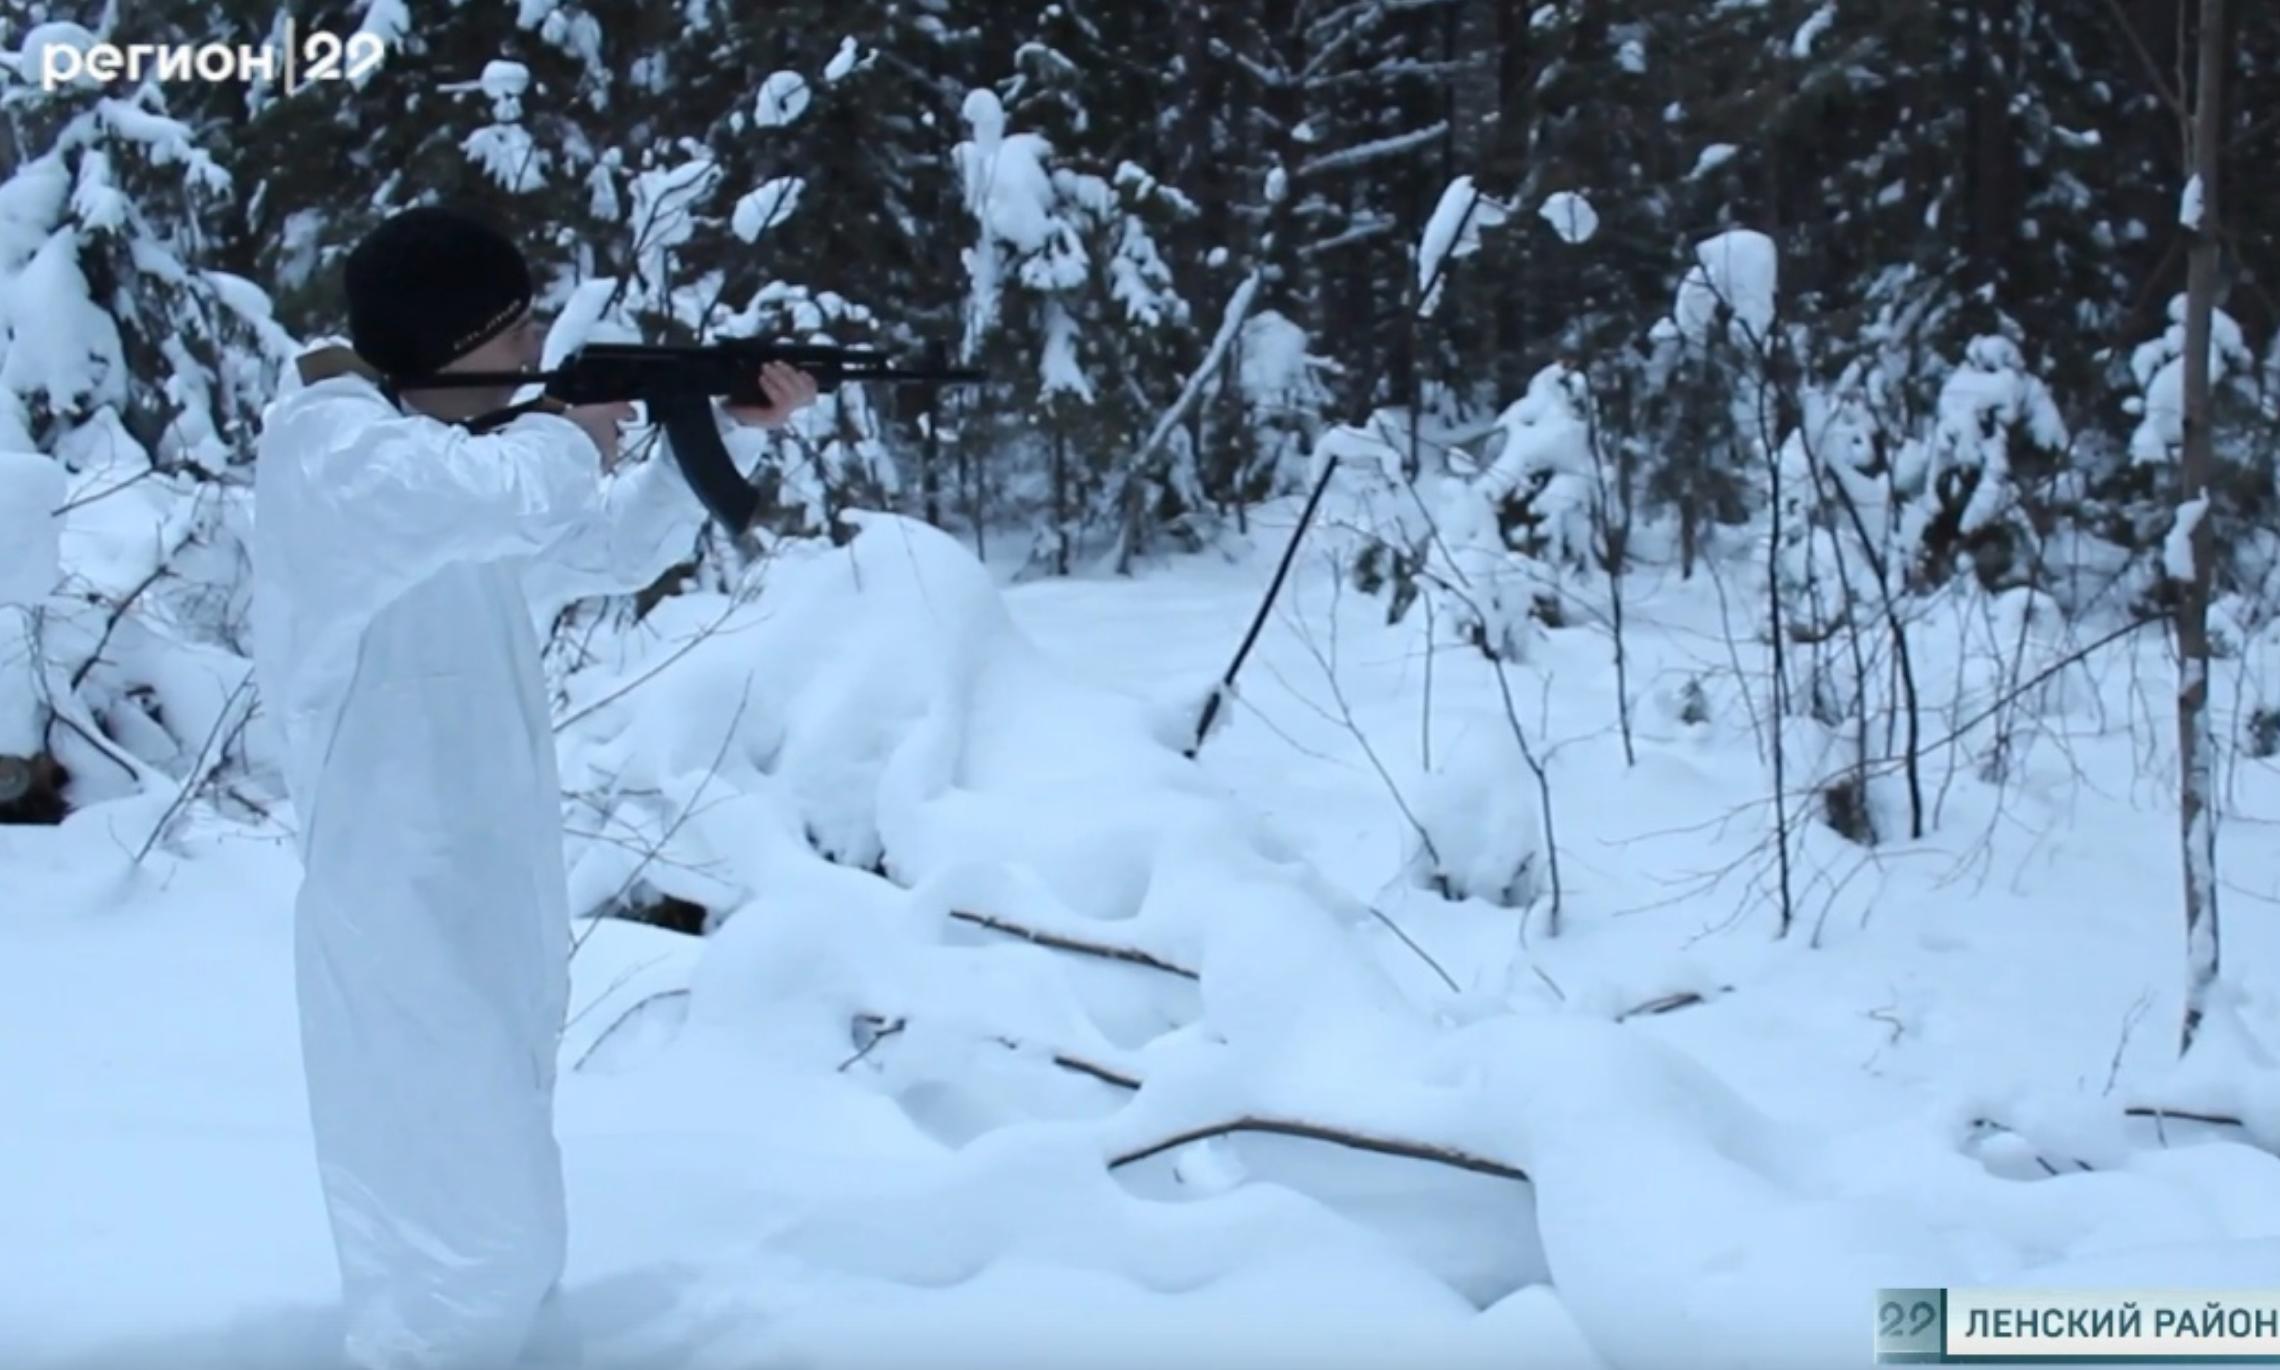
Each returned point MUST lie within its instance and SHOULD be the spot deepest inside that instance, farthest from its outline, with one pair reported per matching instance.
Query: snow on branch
(1363, 153)
(1230, 324)
(1453, 232)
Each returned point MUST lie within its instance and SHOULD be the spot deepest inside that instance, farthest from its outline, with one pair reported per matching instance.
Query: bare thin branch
(1317, 1132)
(1059, 941)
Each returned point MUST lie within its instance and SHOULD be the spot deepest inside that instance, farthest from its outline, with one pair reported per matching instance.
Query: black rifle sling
(500, 418)
(694, 435)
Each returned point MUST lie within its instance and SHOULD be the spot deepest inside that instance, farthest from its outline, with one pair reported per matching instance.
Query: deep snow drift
(1025, 1041)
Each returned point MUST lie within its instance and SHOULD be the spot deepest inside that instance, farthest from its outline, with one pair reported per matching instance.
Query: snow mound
(31, 490)
(1480, 829)
(1018, 1039)
(986, 907)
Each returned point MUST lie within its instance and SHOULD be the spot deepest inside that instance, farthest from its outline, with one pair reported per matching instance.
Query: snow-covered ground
(859, 1127)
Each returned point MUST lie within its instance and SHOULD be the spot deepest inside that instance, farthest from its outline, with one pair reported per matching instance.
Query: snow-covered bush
(1701, 406)
(1278, 382)
(1996, 435)
(137, 372)
(1480, 825)
(2244, 497)
(1838, 542)
(1539, 476)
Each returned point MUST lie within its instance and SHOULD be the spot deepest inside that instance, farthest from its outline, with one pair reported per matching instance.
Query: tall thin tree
(2196, 738)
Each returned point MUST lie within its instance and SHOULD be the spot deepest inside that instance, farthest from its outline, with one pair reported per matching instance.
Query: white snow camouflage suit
(395, 561)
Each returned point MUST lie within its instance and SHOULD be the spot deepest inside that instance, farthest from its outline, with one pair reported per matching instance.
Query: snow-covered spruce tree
(511, 106)
(1486, 535)
(2242, 502)
(1371, 147)
(1184, 101)
(1267, 410)
(880, 209)
(1997, 431)
(1128, 347)
(1702, 400)
(1530, 514)
(1841, 561)
(1065, 271)
(137, 371)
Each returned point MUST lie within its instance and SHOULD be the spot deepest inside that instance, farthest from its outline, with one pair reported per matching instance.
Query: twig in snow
(1065, 942)
(2038, 678)
(194, 783)
(2162, 1115)
(637, 847)
(622, 1020)
(1734, 652)
(2129, 1023)
(1329, 667)
(1425, 707)
(1990, 1125)
(1612, 550)
(1282, 1127)
(613, 987)
(1543, 792)
(1107, 1075)
(1668, 1003)
(84, 500)
(879, 1034)
(1317, 1132)
(1266, 606)
(111, 623)
(62, 710)
(1409, 942)
(701, 635)
(1885, 1017)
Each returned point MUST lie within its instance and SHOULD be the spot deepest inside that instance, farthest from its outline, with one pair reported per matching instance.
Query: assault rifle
(678, 385)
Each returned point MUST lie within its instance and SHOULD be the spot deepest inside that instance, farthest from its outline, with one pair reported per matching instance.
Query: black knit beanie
(430, 285)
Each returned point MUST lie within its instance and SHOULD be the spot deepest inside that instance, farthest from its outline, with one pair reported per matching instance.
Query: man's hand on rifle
(602, 423)
(788, 389)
